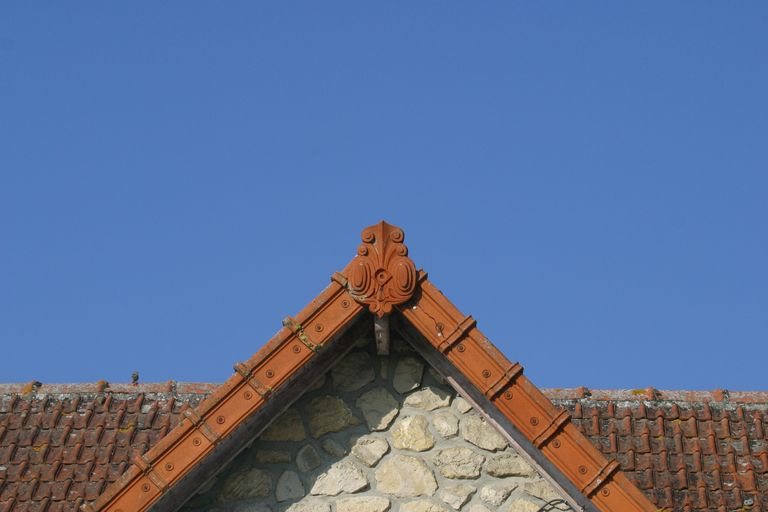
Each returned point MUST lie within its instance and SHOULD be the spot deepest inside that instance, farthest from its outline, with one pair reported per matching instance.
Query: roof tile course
(687, 451)
(61, 445)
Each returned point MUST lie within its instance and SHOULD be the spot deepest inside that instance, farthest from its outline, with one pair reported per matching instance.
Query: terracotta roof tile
(686, 450)
(63, 444)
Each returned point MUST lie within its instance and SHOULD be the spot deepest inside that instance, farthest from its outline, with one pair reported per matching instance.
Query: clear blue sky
(589, 180)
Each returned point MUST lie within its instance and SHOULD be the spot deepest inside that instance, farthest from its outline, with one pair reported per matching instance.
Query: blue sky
(588, 180)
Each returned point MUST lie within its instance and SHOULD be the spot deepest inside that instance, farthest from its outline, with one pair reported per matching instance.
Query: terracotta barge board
(268, 371)
(522, 403)
(254, 425)
(536, 458)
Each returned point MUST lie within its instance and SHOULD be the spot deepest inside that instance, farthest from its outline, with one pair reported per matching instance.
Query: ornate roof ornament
(382, 275)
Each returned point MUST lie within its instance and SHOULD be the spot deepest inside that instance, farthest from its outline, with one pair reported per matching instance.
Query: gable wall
(377, 434)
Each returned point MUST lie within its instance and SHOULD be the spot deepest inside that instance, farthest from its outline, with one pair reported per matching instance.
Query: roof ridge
(557, 393)
(109, 387)
(650, 393)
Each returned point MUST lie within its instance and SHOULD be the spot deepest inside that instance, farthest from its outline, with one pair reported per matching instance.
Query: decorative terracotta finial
(382, 275)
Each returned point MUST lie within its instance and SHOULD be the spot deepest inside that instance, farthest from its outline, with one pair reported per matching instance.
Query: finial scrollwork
(382, 275)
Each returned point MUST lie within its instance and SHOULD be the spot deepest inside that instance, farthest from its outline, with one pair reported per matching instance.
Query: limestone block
(412, 433)
(248, 507)
(307, 458)
(287, 427)
(370, 449)
(422, 506)
(458, 462)
(363, 504)
(462, 405)
(272, 457)
(289, 487)
(521, 505)
(329, 414)
(343, 476)
(250, 483)
(379, 408)
(310, 505)
(494, 495)
(456, 495)
(480, 433)
(353, 372)
(507, 464)
(540, 489)
(408, 374)
(429, 398)
(333, 448)
(446, 423)
(404, 476)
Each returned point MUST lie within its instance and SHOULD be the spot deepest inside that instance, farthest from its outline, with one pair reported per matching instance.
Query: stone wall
(377, 434)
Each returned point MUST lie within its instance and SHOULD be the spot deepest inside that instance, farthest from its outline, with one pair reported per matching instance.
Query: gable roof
(383, 279)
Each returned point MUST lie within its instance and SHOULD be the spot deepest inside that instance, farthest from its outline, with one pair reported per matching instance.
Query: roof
(174, 458)
(687, 450)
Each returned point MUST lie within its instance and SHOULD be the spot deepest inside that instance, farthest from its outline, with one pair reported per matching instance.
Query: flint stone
(329, 414)
(477, 431)
(446, 423)
(370, 449)
(412, 433)
(404, 476)
(457, 495)
(353, 372)
(251, 483)
(310, 505)
(422, 506)
(287, 427)
(458, 463)
(507, 464)
(494, 495)
(307, 458)
(343, 476)
(363, 504)
(289, 487)
(429, 398)
(379, 408)
(408, 374)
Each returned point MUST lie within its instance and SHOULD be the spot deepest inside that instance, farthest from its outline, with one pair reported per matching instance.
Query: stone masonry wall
(377, 434)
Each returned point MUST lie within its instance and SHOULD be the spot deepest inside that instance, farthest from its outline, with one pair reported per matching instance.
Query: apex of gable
(381, 275)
